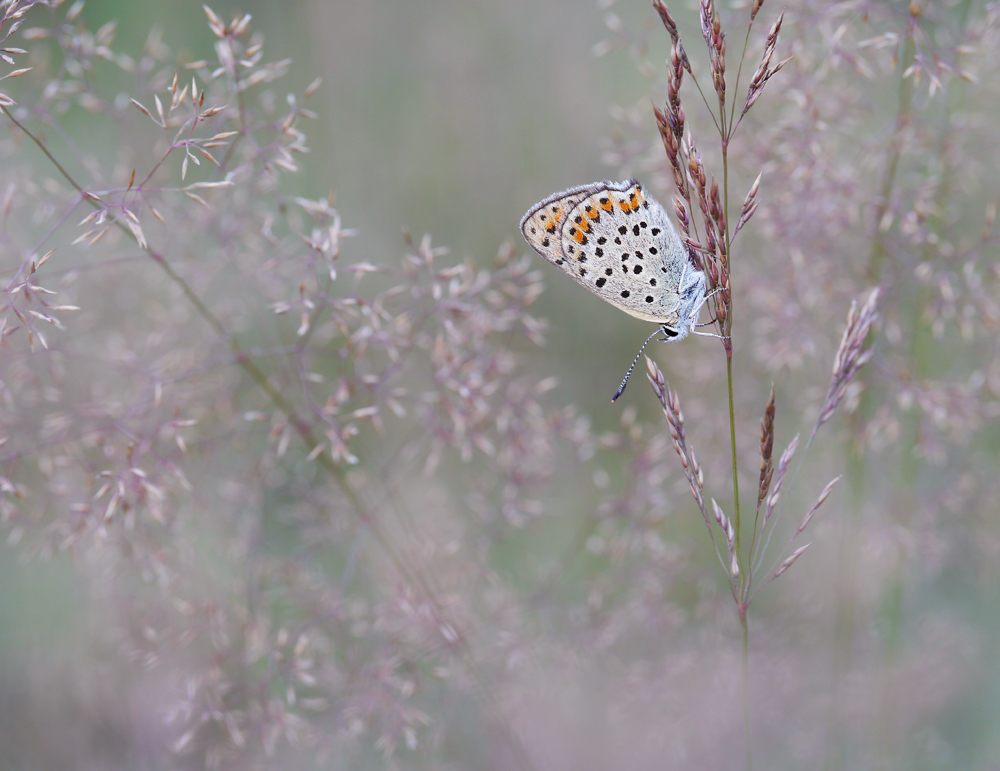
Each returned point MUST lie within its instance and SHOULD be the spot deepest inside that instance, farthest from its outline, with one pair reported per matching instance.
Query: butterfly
(620, 244)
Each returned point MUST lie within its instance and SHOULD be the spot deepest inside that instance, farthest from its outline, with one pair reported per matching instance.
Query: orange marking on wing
(607, 204)
(592, 213)
(578, 235)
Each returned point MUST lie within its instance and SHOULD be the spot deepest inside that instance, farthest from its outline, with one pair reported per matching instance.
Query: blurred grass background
(452, 118)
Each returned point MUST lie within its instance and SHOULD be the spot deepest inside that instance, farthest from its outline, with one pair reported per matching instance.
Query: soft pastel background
(543, 596)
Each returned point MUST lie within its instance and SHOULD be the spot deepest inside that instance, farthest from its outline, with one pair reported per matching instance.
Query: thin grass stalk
(744, 578)
(848, 548)
(746, 691)
(889, 738)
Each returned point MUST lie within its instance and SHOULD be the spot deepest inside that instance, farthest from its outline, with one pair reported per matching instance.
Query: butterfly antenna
(635, 361)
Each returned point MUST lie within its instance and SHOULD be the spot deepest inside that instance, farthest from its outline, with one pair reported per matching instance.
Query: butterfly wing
(542, 225)
(621, 245)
